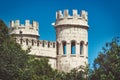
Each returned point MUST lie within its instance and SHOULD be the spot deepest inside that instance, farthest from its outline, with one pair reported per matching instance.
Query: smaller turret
(27, 28)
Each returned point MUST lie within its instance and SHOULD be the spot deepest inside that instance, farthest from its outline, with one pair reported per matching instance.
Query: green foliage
(107, 64)
(12, 58)
(80, 73)
(3, 31)
(16, 64)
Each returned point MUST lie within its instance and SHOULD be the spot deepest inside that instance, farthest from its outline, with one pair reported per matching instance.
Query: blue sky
(103, 15)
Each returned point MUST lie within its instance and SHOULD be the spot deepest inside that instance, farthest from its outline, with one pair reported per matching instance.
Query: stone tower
(25, 34)
(72, 39)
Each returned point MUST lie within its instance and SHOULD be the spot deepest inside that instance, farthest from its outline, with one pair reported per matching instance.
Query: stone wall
(39, 50)
(71, 31)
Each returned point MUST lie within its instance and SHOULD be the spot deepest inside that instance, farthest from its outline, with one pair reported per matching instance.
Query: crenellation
(66, 14)
(27, 22)
(22, 25)
(73, 29)
(17, 23)
(60, 15)
(27, 28)
(38, 43)
(75, 14)
(35, 24)
(84, 15)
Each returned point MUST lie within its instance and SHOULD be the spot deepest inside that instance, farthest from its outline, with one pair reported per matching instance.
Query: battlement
(65, 14)
(64, 18)
(38, 47)
(16, 23)
(27, 28)
(37, 43)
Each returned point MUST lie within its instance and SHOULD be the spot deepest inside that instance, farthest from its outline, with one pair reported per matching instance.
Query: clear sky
(103, 15)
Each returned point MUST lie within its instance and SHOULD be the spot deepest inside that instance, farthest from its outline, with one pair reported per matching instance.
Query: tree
(107, 64)
(17, 64)
(3, 31)
(12, 58)
(80, 73)
(41, 69)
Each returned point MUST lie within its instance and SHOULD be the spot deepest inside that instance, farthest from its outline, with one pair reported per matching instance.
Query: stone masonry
(70, 50)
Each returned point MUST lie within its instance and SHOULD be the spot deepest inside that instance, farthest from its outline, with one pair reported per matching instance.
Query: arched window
(64, 47)
(37, 43)
(81, 47)
(43, 43)
(73, 47)
(21, 40)
(57, 48)
(26, 41)
(48, 44)
(32, 42)
(53, 45)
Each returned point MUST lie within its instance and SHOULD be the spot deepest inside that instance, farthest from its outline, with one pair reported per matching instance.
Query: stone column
(60, 45)
(78, 50)
(84, 50)
(68, 48)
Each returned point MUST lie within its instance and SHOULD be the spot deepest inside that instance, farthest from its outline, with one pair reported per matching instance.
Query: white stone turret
(27, 36)
(72, 39)
(27, 29)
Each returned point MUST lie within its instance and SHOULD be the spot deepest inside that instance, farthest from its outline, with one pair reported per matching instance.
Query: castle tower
(72, 39)
(25, 34)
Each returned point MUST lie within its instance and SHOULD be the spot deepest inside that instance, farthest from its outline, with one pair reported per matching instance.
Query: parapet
(27, 28)
(64, 18)
(16, 23)
(37, 43)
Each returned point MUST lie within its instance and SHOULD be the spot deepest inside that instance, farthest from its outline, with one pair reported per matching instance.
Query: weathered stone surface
(68, 29)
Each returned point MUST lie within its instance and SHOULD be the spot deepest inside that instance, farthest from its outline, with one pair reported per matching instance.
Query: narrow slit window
(21, 41)
(32, 42)
(53, 45)
(37, 43)
(64, 47)
(73, 47)
(43, 44)
(57, 48)
(48, 44)
(26, 41)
